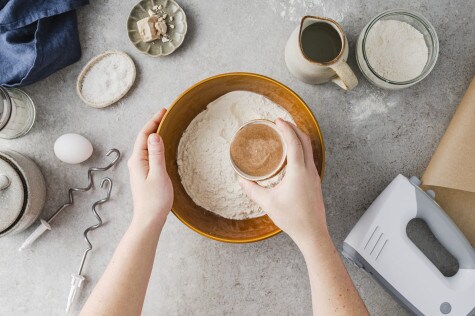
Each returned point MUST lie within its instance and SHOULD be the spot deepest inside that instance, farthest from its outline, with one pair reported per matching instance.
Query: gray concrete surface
(371, 136)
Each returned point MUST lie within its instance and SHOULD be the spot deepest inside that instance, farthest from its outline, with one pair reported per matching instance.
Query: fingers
(138, 162)
(254, 191)
(306, 144)
(140, 147)
(156, 154)
(295, 156)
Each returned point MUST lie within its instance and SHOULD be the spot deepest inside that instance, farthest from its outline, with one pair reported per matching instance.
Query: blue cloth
(37, 38)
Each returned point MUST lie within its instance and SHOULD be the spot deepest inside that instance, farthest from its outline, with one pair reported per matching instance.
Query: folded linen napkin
(37, 38)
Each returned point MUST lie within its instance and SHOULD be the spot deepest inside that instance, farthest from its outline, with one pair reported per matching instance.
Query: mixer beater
(78, 278)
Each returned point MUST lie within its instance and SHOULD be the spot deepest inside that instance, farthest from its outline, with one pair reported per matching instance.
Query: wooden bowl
(186, 107)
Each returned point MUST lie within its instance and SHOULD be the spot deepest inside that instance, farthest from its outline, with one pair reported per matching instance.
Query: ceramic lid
(12, 194)
(5, 107)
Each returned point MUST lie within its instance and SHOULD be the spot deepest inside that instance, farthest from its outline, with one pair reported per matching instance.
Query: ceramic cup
(310, 71)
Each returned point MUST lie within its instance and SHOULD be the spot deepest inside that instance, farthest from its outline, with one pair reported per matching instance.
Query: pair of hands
(295, 204)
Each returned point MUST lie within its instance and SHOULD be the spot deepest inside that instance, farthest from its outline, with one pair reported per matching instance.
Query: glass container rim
(6, 105)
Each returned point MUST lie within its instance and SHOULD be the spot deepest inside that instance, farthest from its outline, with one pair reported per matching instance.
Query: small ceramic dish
(91, 64)
(177, 34)
(275, 170)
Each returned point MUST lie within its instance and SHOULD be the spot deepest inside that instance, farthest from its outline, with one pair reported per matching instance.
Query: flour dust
(366, 104)
(293, 10)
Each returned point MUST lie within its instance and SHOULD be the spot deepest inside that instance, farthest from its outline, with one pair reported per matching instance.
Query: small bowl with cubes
(157, 27)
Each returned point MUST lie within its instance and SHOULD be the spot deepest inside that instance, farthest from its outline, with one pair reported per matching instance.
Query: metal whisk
(45, 224)
(78, 279)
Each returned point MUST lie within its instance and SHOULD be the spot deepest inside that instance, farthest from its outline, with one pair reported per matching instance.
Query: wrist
(318, 240)
(152, 225)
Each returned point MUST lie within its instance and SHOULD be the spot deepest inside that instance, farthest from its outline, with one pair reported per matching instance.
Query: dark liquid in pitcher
(321, 42)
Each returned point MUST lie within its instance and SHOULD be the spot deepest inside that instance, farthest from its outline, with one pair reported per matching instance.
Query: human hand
(151, 186)
(296, 203)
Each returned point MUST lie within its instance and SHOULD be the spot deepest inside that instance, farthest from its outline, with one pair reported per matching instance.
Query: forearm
(333, 292)
(121, 289)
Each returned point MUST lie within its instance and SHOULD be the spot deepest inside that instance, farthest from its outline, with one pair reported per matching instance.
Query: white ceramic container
(22, 192)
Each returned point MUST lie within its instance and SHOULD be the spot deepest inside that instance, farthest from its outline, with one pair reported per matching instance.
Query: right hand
(296, 203)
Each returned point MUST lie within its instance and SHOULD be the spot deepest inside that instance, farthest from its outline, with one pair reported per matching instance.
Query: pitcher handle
(346, 78)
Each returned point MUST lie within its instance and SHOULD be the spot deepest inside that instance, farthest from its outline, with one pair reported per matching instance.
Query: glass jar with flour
(17, 113)
(397, 49)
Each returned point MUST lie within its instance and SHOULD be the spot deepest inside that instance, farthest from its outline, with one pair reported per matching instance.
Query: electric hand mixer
(379, 244)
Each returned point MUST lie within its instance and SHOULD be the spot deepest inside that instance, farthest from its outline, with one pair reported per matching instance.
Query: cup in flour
(257, 150)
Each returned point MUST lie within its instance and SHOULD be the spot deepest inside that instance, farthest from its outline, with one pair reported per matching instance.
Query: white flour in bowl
(396, 50)
(203, 153)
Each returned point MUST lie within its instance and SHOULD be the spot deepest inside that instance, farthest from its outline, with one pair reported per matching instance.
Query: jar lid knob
(4, 182)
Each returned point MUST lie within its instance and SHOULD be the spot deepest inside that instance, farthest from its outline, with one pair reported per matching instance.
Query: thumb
(156, 153)
(254, 191)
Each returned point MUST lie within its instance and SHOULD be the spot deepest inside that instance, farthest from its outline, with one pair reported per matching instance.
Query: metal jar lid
(12, 194)
(5, 107)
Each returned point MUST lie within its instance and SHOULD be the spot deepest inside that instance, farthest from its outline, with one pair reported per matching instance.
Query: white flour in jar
(203, 153)
(396, 50)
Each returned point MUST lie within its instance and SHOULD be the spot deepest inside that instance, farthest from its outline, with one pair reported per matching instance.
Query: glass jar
(419, 23)
(17, 113)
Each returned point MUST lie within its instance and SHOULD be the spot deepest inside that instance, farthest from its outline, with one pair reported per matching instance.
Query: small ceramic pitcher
(313, 72)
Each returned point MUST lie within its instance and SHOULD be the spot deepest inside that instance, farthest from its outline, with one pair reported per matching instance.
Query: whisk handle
(76, 283)
(44, 226)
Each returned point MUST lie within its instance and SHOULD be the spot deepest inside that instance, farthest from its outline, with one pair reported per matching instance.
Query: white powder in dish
(203, 153)
(108, 79)
(396, 50)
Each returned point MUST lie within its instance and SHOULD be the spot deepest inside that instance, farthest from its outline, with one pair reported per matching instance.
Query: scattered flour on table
(366, 104)
(120, 110)
(396, 50)
(293, 10)
(203, 153)
(108, 79)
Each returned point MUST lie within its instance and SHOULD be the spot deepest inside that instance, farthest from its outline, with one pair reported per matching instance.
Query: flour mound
(203, 153)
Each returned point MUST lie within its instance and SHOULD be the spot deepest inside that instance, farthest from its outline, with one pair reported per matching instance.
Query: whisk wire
(78, 279)
(99, 220)
(89, 184)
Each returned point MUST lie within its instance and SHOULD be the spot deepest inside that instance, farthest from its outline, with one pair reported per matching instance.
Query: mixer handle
(444, 229)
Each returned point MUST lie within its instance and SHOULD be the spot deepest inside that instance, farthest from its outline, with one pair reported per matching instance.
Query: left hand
(151, 186)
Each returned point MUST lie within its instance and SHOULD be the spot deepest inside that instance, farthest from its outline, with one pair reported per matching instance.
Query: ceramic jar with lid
(17, 113)
(22, 192)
